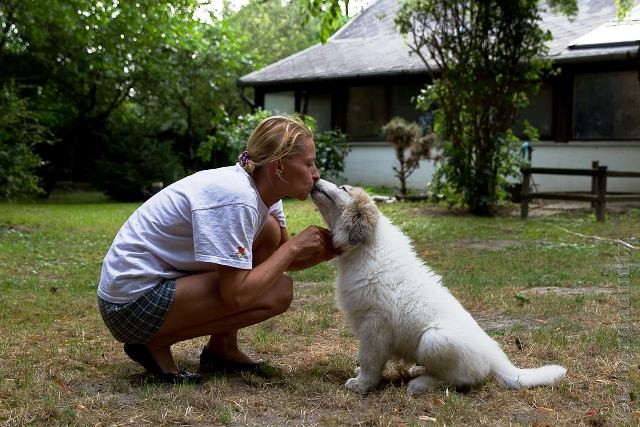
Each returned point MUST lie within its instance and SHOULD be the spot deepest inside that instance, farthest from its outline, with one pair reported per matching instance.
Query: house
(364, 75)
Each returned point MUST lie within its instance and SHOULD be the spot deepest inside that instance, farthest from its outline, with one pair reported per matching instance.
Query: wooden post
(524, 192)
(594, 182)
(601, 204)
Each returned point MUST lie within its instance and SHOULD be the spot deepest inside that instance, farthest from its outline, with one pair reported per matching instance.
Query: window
(606, 105)
(366, 112)
(280, 102)
(539, 113)
(319, 107)
(402, 104)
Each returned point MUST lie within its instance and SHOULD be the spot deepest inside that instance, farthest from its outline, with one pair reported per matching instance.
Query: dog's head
(349, 212)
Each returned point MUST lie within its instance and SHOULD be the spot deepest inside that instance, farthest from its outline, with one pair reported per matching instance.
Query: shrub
(331, 150)
(410, 146)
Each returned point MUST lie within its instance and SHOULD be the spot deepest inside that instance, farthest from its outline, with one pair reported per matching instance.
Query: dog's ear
(357, 221)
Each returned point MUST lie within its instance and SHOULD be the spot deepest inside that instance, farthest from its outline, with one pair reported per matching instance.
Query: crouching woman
(208, 255)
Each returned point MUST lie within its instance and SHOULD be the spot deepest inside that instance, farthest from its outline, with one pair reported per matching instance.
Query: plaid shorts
(136, 322)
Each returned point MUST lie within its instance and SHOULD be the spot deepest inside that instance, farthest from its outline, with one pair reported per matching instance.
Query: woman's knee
(283, 294)
(267, 240)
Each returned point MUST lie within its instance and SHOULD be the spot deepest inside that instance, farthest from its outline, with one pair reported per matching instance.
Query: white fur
(399, 309)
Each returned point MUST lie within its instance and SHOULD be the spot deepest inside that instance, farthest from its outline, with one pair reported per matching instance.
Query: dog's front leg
(373, 354)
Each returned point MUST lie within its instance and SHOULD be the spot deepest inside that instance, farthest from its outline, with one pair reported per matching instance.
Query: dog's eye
(343, 188)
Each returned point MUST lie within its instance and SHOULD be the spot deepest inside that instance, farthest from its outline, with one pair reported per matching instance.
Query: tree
(332, 15)
(488, 56)
(20, 133)
(78, 62)
(264, 30)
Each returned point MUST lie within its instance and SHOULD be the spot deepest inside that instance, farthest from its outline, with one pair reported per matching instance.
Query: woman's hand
(313, 245)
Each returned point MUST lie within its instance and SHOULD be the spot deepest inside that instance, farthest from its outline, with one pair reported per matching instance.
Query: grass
(59, 365)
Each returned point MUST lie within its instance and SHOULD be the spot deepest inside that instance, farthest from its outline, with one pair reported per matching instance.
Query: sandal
(141, 355)
(182, 377)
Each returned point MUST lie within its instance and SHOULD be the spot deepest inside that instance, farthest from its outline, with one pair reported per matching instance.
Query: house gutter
(241, 87)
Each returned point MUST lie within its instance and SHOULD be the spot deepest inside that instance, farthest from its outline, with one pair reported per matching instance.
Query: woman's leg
(197, 309)
(225, 345)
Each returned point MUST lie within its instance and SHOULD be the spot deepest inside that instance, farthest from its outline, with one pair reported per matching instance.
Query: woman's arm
(239, 287)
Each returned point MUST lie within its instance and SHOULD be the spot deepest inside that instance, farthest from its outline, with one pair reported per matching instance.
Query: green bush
(331, 150)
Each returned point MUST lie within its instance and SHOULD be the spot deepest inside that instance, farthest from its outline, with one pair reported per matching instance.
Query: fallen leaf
(427, 418)
(437, 401)
(426, 252)
(545, 410)
(592, 412)
(59, 383)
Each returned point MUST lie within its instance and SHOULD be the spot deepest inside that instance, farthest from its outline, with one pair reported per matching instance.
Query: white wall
(371, 164)
(618, 156)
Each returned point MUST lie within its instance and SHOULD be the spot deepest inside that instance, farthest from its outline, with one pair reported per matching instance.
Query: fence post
(524, 193)
(594, 182)
(601, 204)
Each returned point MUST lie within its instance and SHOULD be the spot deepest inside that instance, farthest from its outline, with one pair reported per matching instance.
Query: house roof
(369, 45)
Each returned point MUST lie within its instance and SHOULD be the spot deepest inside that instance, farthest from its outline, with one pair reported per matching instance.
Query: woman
(208, 255)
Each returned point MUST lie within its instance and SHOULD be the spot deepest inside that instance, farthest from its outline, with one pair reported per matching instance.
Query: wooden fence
(598, 196)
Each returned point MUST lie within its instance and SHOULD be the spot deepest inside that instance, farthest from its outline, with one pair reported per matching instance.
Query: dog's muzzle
(316, 189)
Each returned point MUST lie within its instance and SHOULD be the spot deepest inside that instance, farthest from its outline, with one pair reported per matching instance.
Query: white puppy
(399, 309)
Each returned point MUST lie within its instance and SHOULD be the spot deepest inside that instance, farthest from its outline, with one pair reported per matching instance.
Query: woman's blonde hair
(274, 138)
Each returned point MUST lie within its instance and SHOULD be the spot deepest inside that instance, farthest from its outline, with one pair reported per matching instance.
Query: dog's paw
(357, 385)
(419, 385)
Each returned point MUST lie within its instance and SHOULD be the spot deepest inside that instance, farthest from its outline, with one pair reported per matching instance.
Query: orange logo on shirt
(240, 252)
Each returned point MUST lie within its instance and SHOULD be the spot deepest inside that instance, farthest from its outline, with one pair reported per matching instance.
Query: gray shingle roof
(368, 45)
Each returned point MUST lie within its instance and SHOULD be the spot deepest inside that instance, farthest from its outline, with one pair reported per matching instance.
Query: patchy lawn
(545, 293)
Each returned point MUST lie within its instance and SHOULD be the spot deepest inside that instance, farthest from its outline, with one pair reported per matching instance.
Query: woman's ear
(357, 222)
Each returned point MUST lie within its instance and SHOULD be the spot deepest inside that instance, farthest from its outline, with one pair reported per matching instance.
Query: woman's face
(299, 170)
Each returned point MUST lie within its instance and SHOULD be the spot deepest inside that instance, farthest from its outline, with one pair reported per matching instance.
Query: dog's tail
(515, 378)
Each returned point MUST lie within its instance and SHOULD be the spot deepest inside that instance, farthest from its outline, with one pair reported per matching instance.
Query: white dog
(398, 308)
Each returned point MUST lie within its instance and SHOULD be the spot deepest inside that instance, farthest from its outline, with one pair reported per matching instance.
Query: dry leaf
(437, 401)
(545, 410)
(427, 418)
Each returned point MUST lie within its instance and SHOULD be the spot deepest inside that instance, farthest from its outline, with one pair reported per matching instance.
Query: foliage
(410, 146)
(134, 159)
(264, 30)
(232, 135)
(488, 60)
(79, 62)
(331, 150)
(20, 133)
(332, 15)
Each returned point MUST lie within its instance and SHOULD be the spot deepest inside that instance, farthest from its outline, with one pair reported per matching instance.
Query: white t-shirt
(210, 217)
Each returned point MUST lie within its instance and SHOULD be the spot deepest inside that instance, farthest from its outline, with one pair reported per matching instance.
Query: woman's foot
(225, 347)
(141, 354)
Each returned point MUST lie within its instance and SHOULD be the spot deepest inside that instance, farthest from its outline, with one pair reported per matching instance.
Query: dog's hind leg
(373, 354)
